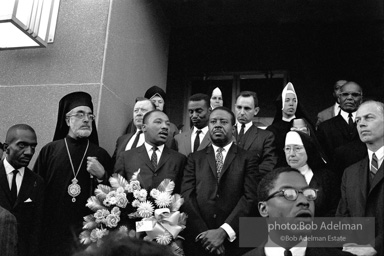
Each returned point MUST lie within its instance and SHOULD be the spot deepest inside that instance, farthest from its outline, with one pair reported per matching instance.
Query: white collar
(226, 148)
(149, 147)
(288, 119)
(247, 126)
(9, 168)
(203, 130)
(306, 172)
(345, 115)
(379, 154)
(272, 249)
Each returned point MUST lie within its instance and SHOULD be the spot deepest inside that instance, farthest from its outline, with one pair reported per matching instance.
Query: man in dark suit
(8, 233)
(136, 139)
(155, 160)
(362, 188)
(334, 110)
(284, 193)
(341, 129)
(21, 190)
(251, 138)
(219, 186)
(197, 138)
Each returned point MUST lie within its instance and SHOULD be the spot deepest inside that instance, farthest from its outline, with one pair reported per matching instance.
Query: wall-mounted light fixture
(27, 23)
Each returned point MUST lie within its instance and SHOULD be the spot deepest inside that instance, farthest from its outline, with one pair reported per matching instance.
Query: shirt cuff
(230, 232)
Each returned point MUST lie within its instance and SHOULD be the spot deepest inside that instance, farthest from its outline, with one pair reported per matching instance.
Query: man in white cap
(334, 110)
(216, 98)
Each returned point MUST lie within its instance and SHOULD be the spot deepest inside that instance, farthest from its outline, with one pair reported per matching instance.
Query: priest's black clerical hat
(66, 104)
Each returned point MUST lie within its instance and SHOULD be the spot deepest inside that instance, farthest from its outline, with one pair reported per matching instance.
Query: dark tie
(14, 187)
(241, 134)
(154, 157)
(219, 162)
(287, 252)
(350, 120)
(134, 144)
(196, 144)
(374, 166)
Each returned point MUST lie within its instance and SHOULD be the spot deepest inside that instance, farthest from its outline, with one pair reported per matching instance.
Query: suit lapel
(211, 160)
(250, 136)
(4, 183)
(363, 181)
(165, 155)
(187, 144)
(205, 142)
(228, 159)
(144, 157)
(26, 186)
(377, 179)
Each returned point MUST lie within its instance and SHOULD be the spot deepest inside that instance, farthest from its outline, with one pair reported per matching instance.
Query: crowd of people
(223, 165)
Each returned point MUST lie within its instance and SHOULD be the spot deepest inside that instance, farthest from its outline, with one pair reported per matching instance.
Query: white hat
(293, 138)
(288, 89)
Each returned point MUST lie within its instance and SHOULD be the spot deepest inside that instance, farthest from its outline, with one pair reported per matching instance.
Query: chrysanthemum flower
(145, 209)
(163, 199)
(164, 238)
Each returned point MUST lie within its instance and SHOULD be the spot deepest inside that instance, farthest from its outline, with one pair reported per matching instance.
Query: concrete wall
(106, 48)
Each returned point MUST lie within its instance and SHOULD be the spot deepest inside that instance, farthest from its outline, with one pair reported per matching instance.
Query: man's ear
(263, 209)
(67, 121)
(144, 127)
(5, 147)
(257, 109)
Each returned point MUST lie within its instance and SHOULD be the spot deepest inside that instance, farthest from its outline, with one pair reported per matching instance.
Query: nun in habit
(282, 122)
(72, 166)
(216, 98)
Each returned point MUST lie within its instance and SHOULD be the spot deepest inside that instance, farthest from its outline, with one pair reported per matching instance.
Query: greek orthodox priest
(72, 167)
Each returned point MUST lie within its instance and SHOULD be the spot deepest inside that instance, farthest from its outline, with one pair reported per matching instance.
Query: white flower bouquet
(114, 207)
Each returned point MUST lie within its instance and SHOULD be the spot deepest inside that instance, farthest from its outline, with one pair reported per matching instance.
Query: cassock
(63, 216)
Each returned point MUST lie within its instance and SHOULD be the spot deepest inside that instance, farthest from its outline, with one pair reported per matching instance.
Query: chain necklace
(74, 189)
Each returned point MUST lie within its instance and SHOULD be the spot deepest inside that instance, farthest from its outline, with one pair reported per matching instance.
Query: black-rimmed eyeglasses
(292, 194)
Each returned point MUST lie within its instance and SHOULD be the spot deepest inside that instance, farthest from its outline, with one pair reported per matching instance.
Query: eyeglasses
(81, 115)
(292, 194)
(353, 94)
(296, 149)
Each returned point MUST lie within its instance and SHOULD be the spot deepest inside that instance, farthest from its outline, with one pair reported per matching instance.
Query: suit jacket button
(214, 216)
(217, 195)
(155, 174)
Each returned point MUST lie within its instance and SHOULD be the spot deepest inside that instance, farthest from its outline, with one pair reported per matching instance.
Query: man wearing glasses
(72, 167)
(283, 193)
(341, 129)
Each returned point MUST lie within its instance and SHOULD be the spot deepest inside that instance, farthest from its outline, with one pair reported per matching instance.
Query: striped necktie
(374, 166)
(154, 158)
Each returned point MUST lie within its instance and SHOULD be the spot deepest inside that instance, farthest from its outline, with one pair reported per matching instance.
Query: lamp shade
(27, 23)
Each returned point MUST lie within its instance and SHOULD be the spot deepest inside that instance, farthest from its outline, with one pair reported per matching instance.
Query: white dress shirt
(204, 131)
(346, 114)
(149, 149)
(246, 128)
(379, 154)
(9, 171)
(273, 249)
(228, 229)
(139, 143)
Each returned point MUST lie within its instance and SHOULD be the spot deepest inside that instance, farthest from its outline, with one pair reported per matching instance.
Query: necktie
(14, 187)
(374, 166)
(287, 252)
(219, 162)
(134, 144)
(350, 120)
(154, 157)
(241, 134)
(196, 144)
